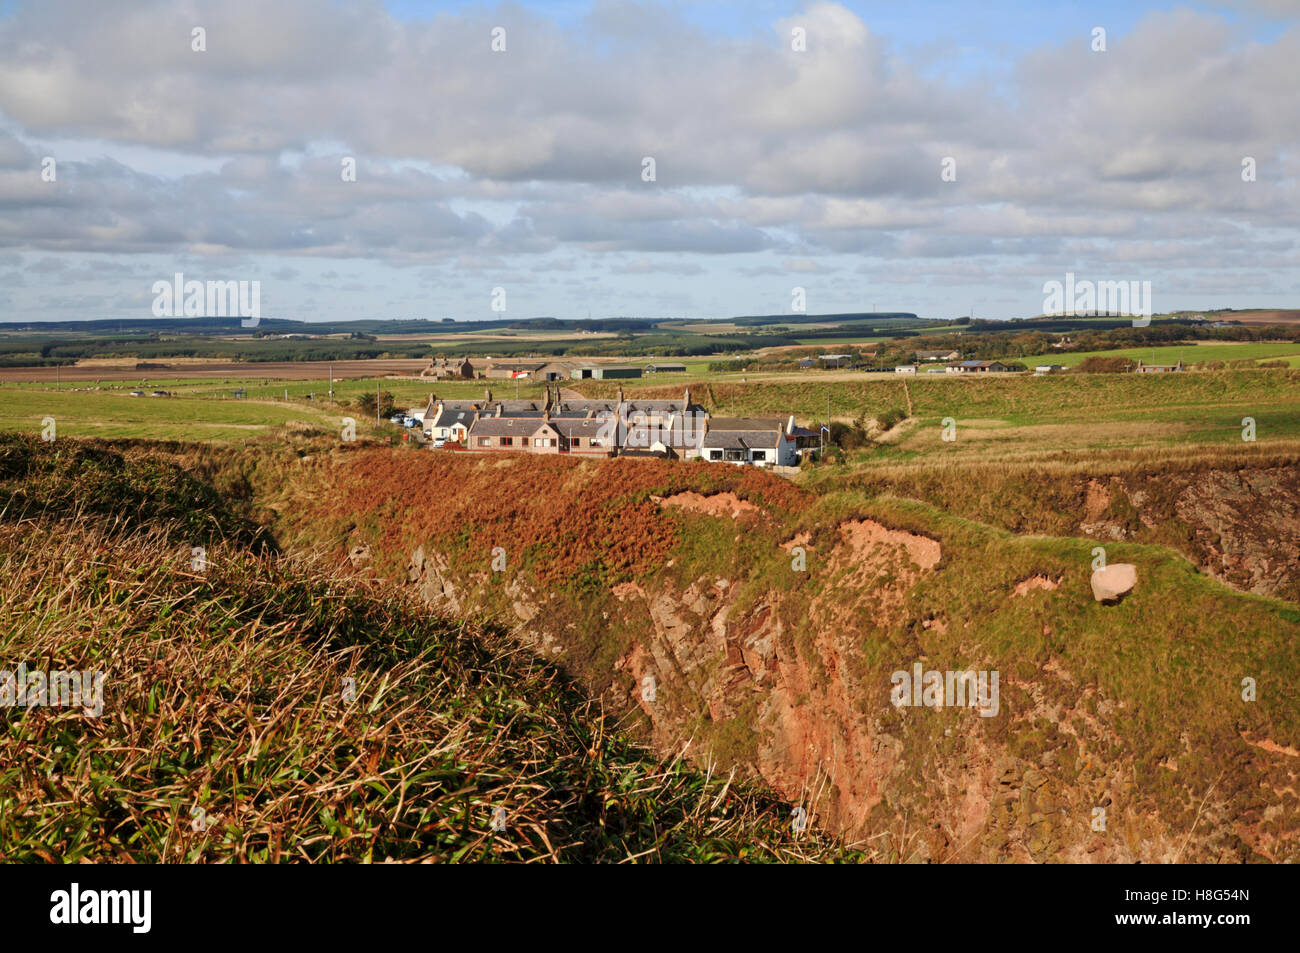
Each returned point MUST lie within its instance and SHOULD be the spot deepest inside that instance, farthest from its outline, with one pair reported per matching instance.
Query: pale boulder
(1114, 582)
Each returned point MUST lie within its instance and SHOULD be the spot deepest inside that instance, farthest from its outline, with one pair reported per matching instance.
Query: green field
(996, 417)
(1187, 353)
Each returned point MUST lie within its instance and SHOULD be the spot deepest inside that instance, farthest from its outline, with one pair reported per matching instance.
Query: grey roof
(583, 427)
(580, 408)
(452, 415)
(506, 426)
(741, 440)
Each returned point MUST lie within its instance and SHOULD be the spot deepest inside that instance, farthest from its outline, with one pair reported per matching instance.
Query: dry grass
(229, 733)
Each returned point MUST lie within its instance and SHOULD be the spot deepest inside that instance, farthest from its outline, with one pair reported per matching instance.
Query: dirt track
(162, 370)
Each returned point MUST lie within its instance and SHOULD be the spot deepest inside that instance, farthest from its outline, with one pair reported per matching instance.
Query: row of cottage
(619, 427)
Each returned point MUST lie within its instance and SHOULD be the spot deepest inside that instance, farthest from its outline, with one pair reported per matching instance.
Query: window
(760, 456)
(594, 442)
(485, 441)
(715, 454)
(538, 442)
(507, 441)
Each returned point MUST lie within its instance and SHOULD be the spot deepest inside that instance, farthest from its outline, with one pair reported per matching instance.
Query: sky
(941, 158)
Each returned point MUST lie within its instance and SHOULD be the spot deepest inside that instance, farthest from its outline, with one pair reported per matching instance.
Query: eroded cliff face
(764, 636)
(1240, 526)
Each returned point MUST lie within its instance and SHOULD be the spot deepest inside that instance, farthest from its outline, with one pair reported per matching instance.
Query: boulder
(1114, 582)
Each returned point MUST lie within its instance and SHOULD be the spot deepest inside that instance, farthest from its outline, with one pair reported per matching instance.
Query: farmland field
(998, 416)
(1186, 352)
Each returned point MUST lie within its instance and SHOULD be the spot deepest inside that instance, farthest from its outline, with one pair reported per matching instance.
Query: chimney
(620, 393)
(487, 394)
(687, 399)
(789, 425)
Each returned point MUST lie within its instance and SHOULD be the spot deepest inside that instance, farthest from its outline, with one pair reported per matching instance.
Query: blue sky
(776, 169)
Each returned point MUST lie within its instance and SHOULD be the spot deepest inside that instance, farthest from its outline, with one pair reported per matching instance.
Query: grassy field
(1017, 414)
(995, 417)
(1187, 353)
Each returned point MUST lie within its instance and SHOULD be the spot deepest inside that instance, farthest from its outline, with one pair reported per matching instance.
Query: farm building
(513, 369)
(554, 371)
(938, 355)
(665, 368)
(443, 370)
(604, 372)
(977, 367)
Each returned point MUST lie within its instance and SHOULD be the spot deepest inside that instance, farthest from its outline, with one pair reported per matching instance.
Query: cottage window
(507, 441)
(485, 441)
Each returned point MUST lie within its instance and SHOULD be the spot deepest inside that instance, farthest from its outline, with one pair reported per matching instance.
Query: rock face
(1240, 526)
(1114, 582)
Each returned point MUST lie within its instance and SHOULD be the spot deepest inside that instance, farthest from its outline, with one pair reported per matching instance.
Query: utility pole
(331, 382)
(376, 403)
(827, 429)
